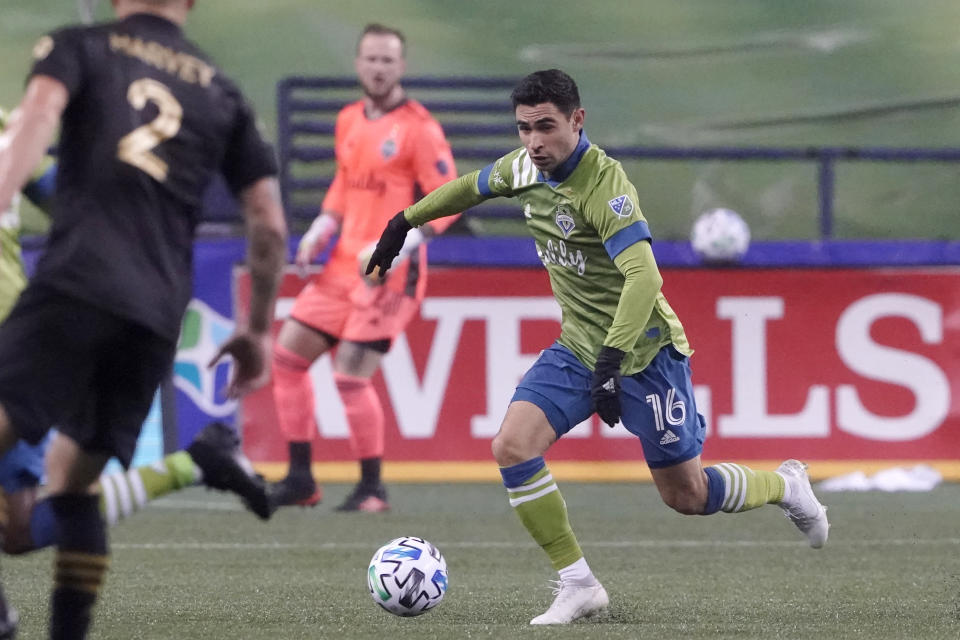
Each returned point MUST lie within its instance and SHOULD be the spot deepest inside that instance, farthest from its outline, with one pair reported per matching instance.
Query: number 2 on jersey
(136, 148)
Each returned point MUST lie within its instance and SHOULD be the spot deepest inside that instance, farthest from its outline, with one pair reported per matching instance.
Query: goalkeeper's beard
(383, 96)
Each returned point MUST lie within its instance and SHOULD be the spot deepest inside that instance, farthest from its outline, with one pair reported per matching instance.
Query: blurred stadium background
(730, 73)
(690, 72)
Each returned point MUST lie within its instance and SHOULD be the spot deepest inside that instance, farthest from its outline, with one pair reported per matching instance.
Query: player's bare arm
(266, 250)
(29, 133)
(266, 255)
(446, 200)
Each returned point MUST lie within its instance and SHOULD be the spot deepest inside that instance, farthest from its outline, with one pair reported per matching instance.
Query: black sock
(370, 472)
(79, 566)
(70, 613)
(300, 455)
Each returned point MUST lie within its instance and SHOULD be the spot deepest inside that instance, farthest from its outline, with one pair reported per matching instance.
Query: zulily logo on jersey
(559, 254)
(622, 206)
(203, 331)
(565, 221)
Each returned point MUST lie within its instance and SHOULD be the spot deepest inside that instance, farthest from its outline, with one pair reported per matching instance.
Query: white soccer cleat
(573, 602)
(803, 508)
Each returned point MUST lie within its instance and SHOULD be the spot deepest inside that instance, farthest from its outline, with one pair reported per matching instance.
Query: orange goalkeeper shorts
(350, 309)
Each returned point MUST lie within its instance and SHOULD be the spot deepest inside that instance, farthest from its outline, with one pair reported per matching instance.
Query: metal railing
(471, 111)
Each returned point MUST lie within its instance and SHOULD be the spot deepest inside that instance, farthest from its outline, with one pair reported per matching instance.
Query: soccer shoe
(573, 602)
(296, 489)
(8, 619)
(216, 450)
(803, 509)
(366, 499)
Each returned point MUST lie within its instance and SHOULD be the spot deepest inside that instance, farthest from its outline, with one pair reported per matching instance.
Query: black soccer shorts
(91, 373)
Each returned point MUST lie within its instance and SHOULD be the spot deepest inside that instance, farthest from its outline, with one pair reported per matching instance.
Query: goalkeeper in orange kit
(388, 148)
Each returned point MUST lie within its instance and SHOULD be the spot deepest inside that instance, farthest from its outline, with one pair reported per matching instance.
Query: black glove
(605, 386)
(389, 245)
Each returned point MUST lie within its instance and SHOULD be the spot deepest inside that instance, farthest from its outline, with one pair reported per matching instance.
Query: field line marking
(485, 471)
(171, 503)
(601, 544)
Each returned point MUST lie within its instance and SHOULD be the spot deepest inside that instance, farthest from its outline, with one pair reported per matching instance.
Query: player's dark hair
(550, 85)
(377, 29)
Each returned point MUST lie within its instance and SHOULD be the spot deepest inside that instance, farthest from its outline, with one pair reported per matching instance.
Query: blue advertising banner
(207, 323)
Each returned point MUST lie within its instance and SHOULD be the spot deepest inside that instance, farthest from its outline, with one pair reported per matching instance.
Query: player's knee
(16, 540)
(683, 499)
(288, 363)
(16, 535)
(509, 450)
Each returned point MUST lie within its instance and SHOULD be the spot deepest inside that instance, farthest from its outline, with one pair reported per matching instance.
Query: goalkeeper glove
(389, 245)
(316, 239)
(605, 386)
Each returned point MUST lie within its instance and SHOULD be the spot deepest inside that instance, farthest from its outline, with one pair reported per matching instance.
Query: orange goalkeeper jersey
(383, 166)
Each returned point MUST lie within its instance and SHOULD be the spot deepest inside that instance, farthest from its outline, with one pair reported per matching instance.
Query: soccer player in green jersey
(39, 190)
(622, 352)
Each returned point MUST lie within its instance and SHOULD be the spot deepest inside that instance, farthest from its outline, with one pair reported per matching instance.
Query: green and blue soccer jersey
(13, 279)
(582, 218)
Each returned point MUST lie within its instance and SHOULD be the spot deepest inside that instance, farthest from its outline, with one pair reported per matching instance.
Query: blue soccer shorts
(657, 404)
(22, 466)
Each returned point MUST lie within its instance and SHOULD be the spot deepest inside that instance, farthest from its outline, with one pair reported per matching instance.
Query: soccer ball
(720, 235)
(407, 576)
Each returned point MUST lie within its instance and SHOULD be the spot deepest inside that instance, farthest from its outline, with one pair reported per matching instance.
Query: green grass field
(652, 72)
(196, 566)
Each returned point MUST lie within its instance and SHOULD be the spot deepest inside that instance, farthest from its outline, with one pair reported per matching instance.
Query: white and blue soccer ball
(720, 235)
(407, 576)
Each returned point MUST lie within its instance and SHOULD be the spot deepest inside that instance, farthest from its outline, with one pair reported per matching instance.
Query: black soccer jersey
(149, 122)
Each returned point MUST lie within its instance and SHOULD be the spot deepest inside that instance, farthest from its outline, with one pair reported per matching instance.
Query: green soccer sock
(124, 493)
(735, 487)
(536, 499)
